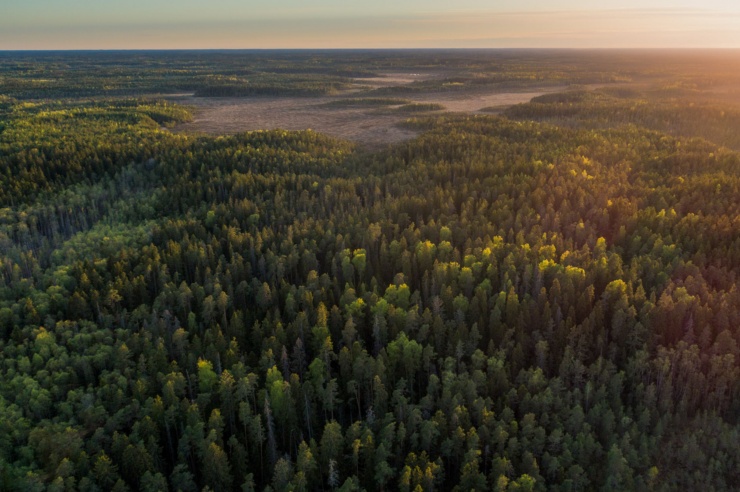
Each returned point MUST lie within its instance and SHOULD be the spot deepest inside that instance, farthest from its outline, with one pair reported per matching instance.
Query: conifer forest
(535, 296)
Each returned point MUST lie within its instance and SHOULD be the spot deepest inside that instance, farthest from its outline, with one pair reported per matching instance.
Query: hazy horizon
(330, 24)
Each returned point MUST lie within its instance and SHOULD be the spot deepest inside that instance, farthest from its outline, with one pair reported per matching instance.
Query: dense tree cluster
(666, 110)
(420, 107)
(50, 146)
(271, 84)
(495, 305)
(41, 75)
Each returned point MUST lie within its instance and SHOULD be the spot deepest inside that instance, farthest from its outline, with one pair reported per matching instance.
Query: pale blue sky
(105, 24)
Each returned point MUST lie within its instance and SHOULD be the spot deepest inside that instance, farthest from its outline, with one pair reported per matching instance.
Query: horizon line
(439, 48)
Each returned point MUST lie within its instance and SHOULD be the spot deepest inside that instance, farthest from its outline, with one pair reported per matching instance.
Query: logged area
(514, 271)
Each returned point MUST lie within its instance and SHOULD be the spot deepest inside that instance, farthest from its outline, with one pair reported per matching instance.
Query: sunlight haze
(152, 24)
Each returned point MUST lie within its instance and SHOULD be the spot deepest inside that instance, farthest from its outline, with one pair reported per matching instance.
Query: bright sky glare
(151, 24)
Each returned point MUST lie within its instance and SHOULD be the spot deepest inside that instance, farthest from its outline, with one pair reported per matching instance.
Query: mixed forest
(543, 299)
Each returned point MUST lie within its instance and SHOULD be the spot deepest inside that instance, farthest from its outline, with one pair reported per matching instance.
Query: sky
(186, 24)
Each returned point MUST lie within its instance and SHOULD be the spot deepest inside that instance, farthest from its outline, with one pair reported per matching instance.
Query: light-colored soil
(367, 126)
(233, 115)
(393, 79)
(471, 103)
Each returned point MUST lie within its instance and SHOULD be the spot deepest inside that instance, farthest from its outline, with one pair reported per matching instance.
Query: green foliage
(269, 84)
(715, 121)
(494, 305)
(420, 108)
(47, 75)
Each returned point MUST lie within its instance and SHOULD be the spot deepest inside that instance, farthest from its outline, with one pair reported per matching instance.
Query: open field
(367, 125)
(234, 115)
(237, 91)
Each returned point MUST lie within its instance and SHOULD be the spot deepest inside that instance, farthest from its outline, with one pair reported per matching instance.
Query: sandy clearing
(233, 115)
(367, 126)
(475, 102)
(394, 79)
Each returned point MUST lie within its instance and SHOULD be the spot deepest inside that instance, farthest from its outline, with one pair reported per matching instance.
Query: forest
(541, 299)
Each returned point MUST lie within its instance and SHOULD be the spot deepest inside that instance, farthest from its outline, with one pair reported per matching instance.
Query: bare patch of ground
(475, 102)
(366, 126)
(233, 115)
(394, 79)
